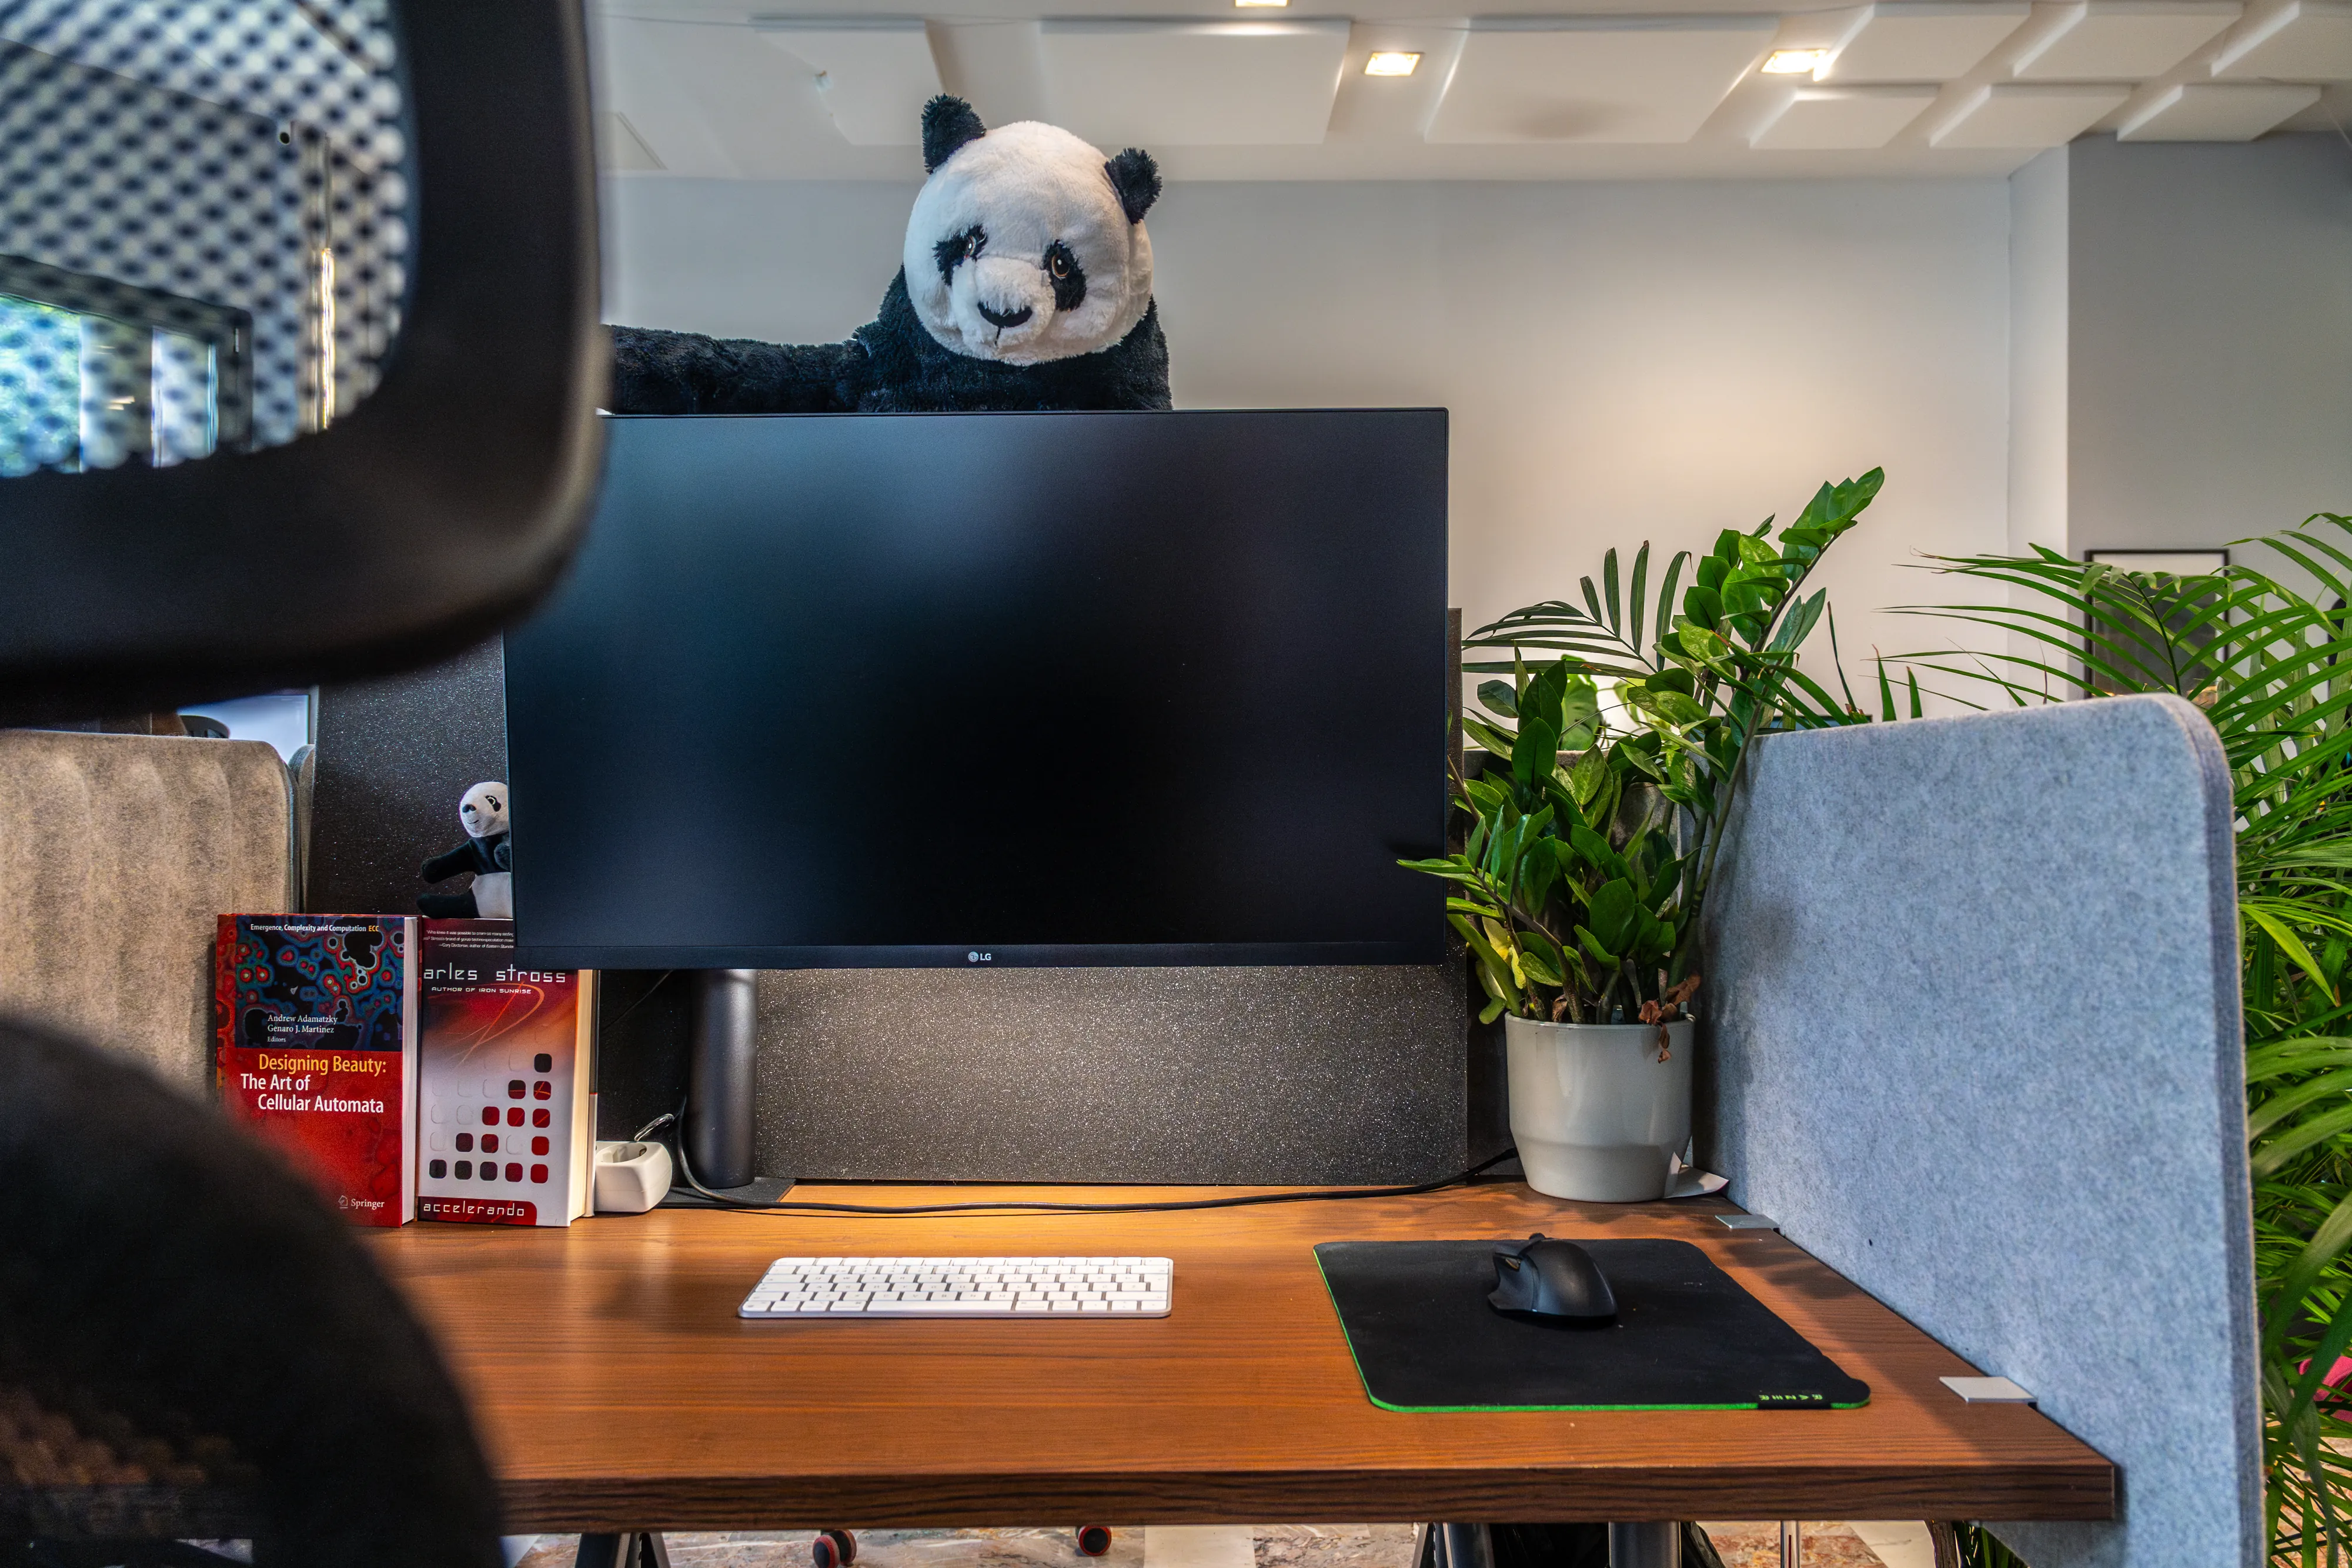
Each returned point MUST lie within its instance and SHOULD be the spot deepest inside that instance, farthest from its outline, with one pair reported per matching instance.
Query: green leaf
(1499, 697)
(1539, 874)
(1595, 850)
(1703, 606)
(1579, 713)
(1678, 709)
(1498, 743)
(2289, 943)
(1703, 645)
(1536, 755)
(1584, 779)
(1634, 592)
(1612, 913)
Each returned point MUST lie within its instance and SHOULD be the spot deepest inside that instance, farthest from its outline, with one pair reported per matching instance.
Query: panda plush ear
(948, 123)
(1136, 178)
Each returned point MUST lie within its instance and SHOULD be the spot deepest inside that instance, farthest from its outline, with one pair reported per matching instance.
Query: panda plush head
(483, 812)
(1026, 244)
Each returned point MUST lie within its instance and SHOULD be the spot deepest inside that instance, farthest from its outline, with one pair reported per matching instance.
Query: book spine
(584, 1104)
(411, 1058)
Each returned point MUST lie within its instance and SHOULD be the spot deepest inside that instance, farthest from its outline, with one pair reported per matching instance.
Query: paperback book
(505, 1066)
(314, 1020)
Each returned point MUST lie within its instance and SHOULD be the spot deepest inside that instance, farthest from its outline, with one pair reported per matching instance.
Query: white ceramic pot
(1596, 1115)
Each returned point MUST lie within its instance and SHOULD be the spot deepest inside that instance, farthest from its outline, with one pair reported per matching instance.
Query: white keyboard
(963, 1287)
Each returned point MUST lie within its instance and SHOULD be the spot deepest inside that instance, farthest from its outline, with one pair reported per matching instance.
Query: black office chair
(299, 363)
(193, 1344)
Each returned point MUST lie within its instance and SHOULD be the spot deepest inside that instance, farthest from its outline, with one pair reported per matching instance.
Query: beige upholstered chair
(116, 852)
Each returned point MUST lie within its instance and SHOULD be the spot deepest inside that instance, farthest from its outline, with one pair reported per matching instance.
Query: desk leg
(1465, 1546)
(1650, 1544)
(635, 1549)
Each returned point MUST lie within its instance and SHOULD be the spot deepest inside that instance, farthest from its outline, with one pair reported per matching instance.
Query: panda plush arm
(467, 857)
(686, 372)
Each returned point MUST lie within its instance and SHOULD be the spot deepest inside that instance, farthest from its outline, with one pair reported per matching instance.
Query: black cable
(1017, 1205)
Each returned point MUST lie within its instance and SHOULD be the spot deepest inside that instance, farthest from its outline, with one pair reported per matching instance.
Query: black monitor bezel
(979, 954)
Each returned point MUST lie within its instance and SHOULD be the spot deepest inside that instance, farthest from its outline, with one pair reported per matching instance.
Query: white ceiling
(1515, 89)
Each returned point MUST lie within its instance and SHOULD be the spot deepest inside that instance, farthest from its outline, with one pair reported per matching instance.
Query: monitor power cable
(1023, 1205)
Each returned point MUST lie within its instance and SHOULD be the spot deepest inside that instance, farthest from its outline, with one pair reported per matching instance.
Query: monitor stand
(716, 1137)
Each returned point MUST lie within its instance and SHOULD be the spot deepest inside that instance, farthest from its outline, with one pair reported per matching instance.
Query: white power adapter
(630, 1177)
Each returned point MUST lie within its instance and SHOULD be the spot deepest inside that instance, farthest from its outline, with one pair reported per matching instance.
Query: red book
(314, 1017)
(505, 1066)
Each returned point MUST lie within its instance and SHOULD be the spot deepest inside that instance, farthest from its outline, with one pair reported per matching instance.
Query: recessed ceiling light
(1796, 62)
(1392, 63)
(1260, 5)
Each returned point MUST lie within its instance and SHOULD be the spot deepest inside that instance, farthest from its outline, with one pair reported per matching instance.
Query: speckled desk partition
(1975, 1042)
(1260, 1074)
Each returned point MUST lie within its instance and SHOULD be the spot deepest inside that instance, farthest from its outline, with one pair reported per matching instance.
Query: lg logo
(976, 957)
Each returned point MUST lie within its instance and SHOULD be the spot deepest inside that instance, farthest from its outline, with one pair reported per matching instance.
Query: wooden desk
(616, 1389)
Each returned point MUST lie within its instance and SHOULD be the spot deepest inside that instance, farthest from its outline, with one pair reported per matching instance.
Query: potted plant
(1591, 843)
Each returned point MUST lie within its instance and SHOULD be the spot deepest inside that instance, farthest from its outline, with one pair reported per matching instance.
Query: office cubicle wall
(1974, 1041)
(1244, 1075)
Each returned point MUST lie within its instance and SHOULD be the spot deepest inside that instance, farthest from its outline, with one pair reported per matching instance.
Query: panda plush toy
(1026, 284)
(488, 852)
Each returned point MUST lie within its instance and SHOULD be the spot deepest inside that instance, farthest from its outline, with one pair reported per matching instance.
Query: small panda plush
(487, 853)
(1026, 284)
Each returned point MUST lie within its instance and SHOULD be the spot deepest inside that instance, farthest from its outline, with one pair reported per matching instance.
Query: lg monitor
(964, 689)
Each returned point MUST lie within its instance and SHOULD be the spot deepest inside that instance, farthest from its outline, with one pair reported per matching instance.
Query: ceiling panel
(2215, 111)
(2308, 41)
(710, 100)
(619, 147)
(2028, 116)
(1923, 40)
(2126, 40)
(1390, 109)
(1194, 84)
(1599, 79)
(872, 77)
(1822, 119)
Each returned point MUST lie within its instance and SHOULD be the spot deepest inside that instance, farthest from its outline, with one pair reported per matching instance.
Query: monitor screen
(907, 690)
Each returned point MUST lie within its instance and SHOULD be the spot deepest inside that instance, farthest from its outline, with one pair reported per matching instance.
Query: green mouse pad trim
(1698, 1336)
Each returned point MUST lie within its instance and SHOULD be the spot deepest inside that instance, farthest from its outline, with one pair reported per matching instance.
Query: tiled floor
(1827, 1545)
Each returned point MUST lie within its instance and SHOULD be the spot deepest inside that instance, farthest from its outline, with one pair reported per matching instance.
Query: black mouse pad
(1688, 1337)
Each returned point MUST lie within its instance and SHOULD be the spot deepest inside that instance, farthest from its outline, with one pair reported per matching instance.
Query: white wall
(1623, 361)
(2038, 197)
(2209, 339)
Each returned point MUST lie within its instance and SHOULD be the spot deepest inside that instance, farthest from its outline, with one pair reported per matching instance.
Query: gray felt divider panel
(1975, 1043)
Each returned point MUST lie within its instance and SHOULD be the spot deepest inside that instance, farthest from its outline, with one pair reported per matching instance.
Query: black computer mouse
(1548, 1281)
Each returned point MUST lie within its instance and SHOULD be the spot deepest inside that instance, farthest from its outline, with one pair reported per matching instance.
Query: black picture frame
(421, 522)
